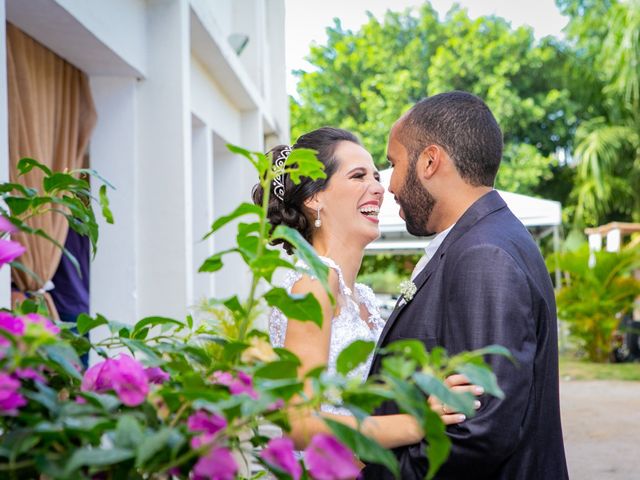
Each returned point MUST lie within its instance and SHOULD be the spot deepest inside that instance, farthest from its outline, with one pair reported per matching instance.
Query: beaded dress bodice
(346, 327)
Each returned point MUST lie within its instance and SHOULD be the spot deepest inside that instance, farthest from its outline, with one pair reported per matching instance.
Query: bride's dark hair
(290, 211)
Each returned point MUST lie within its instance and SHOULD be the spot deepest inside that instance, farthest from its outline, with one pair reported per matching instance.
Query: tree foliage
(364, 80)
(606, 39)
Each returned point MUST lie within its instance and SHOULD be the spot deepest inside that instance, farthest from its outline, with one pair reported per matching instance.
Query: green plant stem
(12, 466)
(179, 413)
(244, 325)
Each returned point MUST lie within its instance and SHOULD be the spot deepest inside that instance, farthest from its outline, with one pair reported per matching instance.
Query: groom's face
(416, 203)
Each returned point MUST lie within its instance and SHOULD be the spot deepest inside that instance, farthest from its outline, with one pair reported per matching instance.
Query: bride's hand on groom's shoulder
(457, 383)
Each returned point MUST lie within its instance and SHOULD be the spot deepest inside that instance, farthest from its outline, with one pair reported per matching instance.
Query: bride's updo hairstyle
(290, 210)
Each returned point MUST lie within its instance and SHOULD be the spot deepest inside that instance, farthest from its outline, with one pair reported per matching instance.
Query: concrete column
(164, 179)
(203, 214)
(248, 18)
(233, 178)
(275, 68)
(113, 153)
(5, 272)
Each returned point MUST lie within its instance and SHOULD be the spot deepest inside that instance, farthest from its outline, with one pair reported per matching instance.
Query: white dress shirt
(430, 250)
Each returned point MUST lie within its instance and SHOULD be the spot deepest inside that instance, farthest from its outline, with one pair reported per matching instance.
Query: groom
(484, 284)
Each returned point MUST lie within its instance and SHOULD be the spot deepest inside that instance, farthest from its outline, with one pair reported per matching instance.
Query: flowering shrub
(179, 399)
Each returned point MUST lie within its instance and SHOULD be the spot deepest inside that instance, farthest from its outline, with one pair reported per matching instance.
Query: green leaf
(104, 204)
(47, 397)
(278, 370)
(151, 445)
(93, 173)
(140, 346)
(96, 457)
(63, 181)
(461, 402)
(299, 307)
(105, 401)
(20, 266)
(365, 448)
(154, 321)
(285, 354)
(65, 357)
(18, 205)
(398, 366)
(410, 348)
(352, 356)
(214, 262)
(303, 162)
(85, 323)
(483, 376)
(25, 165)
(305, 251)
(234, 305)
(241, 210)
(248, 247)
(25, 191)
(128, 433)
(438, 444)
(265, 265)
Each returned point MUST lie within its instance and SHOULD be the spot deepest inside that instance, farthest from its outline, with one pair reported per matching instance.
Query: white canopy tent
(540, 216)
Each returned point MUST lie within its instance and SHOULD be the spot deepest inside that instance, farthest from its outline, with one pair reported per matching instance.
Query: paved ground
(601, 423)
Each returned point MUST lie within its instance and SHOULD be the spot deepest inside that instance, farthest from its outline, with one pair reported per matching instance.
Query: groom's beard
(417, 204)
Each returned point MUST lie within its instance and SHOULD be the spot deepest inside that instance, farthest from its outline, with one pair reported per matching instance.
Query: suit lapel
(484, 206)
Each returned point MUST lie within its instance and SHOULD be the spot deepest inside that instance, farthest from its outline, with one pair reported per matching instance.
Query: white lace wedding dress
(346, 327)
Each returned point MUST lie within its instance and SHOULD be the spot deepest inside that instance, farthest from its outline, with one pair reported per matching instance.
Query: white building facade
(173, 82)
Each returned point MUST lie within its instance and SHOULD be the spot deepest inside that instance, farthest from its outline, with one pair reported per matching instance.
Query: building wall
(170, 93)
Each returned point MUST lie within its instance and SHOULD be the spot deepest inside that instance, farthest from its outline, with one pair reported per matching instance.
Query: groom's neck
(449, 208)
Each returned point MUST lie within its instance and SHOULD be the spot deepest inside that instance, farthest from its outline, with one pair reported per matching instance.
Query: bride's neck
(347, 255)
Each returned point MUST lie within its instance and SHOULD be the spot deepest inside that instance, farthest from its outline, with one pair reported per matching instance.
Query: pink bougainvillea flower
(218, 464)
(10, 398)
(99, 377)
(156, 375)
(277, 405)
(10, 250)
(125, 375)
(222, 378)
(202, 421)
(7, 226)
(130, 381)
(207, 423)
(243, 384)
(43, 321)
(237, 385)
(279, 453)
(11, 324)
(328, 459)
(29, 373)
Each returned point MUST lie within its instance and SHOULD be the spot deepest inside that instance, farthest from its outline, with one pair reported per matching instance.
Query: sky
(306, 20)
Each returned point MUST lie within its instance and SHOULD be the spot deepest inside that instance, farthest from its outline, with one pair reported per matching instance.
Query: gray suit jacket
(488, 284)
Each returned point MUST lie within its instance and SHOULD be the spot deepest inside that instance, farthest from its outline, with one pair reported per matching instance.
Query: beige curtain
(51, 116)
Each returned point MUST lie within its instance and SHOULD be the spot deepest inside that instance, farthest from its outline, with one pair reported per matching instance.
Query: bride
(338, 216)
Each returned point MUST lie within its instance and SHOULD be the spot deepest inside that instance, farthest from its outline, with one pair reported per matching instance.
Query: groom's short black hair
(463, 125)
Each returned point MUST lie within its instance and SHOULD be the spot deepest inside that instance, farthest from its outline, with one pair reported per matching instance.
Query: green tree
(606, 34)
(363, 81)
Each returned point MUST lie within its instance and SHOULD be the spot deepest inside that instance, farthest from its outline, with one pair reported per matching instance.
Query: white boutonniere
(407, 289)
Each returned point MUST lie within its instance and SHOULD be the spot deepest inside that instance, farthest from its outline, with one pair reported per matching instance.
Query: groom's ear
(429, 161)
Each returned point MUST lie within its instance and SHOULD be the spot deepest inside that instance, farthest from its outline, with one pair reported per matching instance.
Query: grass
(575, 369)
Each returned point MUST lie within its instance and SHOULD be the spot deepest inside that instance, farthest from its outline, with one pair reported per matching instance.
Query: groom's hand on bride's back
(459, 384)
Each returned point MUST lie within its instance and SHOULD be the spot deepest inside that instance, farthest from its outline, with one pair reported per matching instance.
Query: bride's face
(351, 202)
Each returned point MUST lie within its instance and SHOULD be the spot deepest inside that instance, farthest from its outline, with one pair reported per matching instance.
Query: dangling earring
(318, 222)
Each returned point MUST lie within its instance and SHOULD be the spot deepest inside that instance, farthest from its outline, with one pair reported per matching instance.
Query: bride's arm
(311, 344)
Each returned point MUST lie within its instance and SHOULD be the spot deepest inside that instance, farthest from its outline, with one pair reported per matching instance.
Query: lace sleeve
(278, 320)
(366, 297)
